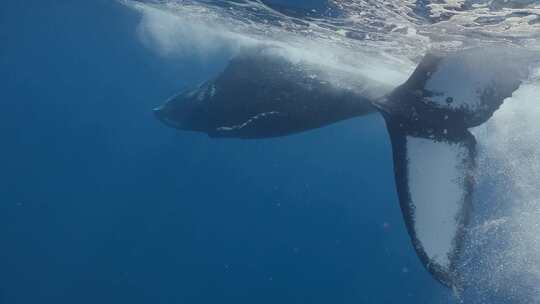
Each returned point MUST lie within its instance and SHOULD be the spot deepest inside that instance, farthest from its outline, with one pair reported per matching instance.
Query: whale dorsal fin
(434, 180)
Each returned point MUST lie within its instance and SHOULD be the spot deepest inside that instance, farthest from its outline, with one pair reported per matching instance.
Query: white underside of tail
(436, 175)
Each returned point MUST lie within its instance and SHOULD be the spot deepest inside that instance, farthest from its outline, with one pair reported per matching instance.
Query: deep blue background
(100, 203)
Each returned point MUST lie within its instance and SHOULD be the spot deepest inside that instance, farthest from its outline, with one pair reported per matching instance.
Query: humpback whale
(428, 119)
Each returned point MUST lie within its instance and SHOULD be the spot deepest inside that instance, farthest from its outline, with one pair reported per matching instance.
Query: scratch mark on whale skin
(247, 122)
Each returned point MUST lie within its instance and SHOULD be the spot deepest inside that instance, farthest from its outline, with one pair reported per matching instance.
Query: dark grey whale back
(262, 95)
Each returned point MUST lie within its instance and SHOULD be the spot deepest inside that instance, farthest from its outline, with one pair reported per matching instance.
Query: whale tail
(428, 117)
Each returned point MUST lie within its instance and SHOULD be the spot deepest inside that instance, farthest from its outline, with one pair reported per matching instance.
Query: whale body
(261, 95)
(428, 119)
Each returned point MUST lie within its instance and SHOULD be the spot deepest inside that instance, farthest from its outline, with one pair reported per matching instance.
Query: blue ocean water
(101, 203)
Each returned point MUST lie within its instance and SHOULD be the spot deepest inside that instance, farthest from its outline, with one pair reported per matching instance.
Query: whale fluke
(458, 90)
(428, 118)
(434, 182)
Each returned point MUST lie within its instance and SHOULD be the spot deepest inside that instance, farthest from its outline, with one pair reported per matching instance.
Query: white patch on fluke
(458, 85)
(436, 178)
